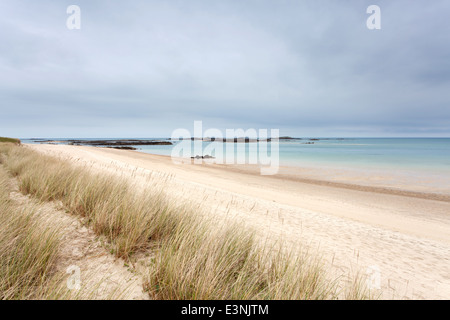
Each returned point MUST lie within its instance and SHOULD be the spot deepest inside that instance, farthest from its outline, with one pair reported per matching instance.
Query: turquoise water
(425, 154)
(377, 153)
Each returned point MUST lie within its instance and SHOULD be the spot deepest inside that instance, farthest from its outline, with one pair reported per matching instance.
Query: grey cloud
(147, 67)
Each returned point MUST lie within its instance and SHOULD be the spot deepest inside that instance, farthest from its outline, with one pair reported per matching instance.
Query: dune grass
(192, 258)
(228, 264)
(9, 140)
(29, 253)
(28, 249)
(128, 218)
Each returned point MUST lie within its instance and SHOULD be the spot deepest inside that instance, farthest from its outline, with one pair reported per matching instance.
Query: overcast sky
(145, 68)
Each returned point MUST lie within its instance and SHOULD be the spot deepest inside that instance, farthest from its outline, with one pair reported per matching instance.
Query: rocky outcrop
(107, 143)
(203, 157)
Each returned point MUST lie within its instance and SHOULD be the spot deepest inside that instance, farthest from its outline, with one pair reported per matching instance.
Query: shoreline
(297, 173)
(345, 177)
(245, 169)
(405, 234)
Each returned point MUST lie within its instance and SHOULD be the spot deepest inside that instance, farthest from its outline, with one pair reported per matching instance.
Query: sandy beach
(401, 232)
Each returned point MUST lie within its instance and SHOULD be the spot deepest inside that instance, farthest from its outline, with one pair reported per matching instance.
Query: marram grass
(29, 253)
(9, 140)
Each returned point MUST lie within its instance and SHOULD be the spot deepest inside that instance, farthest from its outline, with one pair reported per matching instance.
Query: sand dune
(403, 234)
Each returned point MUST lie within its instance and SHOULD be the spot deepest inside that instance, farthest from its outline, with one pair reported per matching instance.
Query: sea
(419, 157)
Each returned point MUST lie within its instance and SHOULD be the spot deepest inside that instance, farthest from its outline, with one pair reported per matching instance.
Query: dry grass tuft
(28, 249)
